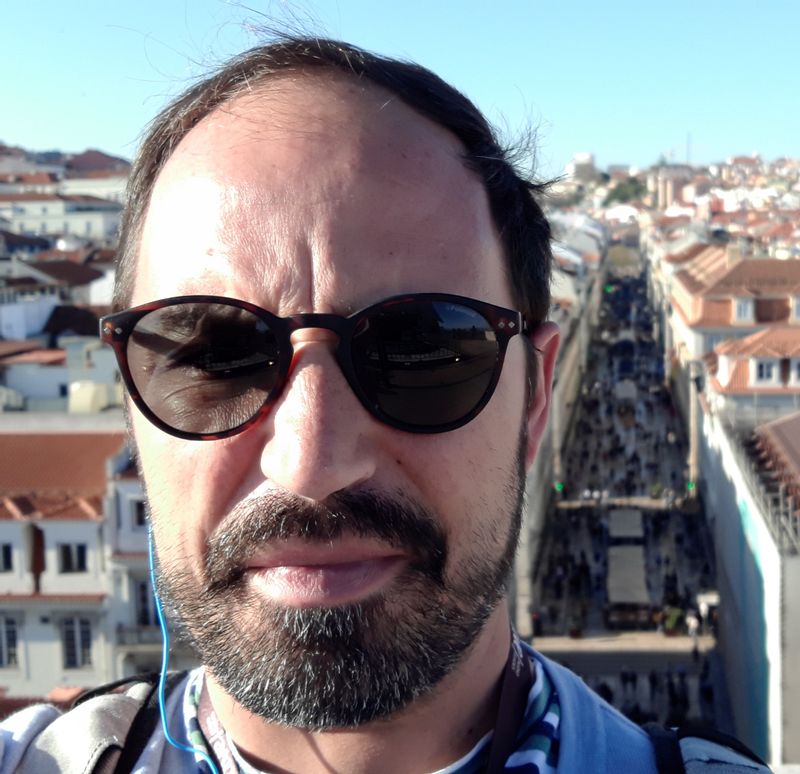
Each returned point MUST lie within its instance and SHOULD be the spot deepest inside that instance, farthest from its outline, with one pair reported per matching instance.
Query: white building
(756, 528)
(55, 214)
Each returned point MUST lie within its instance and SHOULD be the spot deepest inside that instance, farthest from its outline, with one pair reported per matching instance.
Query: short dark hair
(523, 228)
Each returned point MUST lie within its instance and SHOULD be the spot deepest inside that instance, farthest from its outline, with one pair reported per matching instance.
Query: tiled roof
(774, 341)
(29, 197)
(17, 347)
(686, 255)
(55, 475)
(50, 598)
(96, 174)
(75, 256)
(28, 178)
(713, 314)
(40, 356)
(783, 438)
(67, 272)
(757, 277)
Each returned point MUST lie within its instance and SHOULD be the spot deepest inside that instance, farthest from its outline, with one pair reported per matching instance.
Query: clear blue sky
(627, 81)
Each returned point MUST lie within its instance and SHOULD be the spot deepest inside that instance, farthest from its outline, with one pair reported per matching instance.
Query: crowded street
(625, 580)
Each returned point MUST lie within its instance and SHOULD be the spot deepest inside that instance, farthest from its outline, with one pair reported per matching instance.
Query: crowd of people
(627, 449)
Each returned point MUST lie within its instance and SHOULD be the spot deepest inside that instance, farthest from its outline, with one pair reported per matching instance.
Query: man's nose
(321, 440)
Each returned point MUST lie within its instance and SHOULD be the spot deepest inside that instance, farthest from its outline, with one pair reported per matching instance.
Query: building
(750, 481)
(57, 214)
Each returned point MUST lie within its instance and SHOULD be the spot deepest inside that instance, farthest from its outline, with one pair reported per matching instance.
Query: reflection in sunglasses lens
(425, 363)
(203, 367)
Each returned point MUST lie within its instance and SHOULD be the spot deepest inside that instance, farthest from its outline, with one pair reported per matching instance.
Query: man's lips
(307, 574)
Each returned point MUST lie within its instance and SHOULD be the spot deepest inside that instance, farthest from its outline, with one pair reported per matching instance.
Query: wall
(36, 381)
(749, 575)
(21, 319)
(94, 580)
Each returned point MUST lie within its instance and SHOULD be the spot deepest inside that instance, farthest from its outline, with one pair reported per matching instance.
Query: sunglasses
(208, 367)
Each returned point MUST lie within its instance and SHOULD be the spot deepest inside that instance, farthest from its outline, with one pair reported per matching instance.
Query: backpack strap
(667, 749)
(144, 724)
(93, 736)
(694, 749)
(692, 730)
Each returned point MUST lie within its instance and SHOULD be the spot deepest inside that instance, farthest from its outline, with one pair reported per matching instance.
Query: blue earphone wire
(162, 679)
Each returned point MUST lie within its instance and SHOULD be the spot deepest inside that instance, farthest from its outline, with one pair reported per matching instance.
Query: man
(326, 255)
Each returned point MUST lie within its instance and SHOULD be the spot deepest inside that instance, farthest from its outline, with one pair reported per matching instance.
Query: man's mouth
(315, 574)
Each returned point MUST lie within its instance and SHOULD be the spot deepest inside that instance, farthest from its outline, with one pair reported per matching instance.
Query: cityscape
(660, 533)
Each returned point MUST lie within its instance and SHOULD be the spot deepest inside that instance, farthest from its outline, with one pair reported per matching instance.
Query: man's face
(328, 568)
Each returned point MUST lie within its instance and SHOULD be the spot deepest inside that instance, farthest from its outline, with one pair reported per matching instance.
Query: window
(796, 306)
(6, 557)
(76, 638)
(764, 371)
(139, 514)
(8, 641)
(744, 309)
(72, 557)
(145, 608)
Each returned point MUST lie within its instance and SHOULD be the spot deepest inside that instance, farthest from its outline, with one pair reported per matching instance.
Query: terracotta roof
(50, 598)
(54, 475)
(686, 255)
(690, 282)
(67, 272)
(774, 341)
(29, 178)
(40, 356)
(96, 174)
(75, 256)
(65, 507)
(17, 347)
(783, 438)
(713, 314)
(91, 160)
(758, 277)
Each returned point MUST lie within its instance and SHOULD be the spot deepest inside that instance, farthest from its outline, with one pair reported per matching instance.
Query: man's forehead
(339, 118)
(307, 166)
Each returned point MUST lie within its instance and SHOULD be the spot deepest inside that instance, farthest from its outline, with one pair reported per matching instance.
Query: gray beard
(340, 667)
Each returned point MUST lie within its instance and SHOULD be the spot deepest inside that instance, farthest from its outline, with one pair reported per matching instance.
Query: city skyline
(624, 83)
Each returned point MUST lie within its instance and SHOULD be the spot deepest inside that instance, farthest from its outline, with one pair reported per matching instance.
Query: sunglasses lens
(203, 367)
(425, 364)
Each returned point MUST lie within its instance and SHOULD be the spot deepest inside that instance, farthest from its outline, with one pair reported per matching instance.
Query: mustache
(280, 516)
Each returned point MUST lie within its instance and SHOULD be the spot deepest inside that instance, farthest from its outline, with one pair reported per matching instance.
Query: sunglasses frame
(116, 328)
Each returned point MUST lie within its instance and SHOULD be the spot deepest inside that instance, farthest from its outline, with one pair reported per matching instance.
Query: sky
(627, 81)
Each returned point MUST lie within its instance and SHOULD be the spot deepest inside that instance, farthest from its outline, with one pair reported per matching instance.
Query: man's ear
(545, 340)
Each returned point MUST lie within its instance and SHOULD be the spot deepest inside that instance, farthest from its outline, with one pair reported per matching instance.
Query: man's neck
(427, 736)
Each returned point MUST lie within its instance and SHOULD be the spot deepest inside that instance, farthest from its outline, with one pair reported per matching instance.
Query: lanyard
(518, 678)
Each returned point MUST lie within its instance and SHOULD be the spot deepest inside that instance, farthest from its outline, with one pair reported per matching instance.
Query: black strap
(518, 678)
(102, 690)
(144, 724)
(718, 737)
(667, 749)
